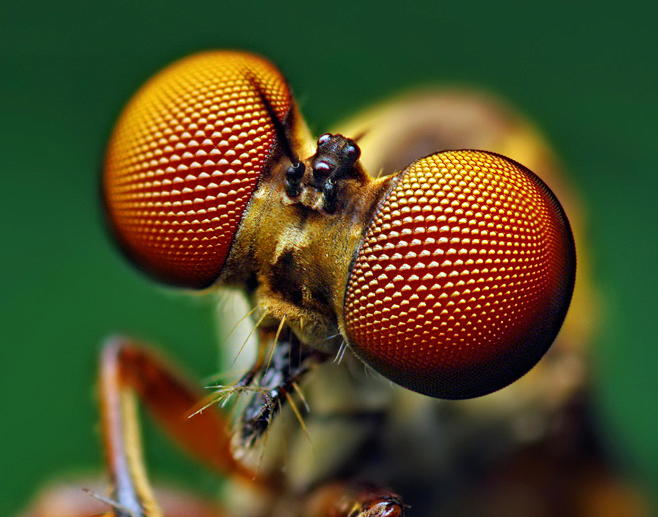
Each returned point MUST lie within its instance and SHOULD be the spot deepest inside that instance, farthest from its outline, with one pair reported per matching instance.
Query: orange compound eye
(463, 277)
(184, 159)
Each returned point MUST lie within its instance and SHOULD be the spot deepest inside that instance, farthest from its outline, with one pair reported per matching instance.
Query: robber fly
(386, 267)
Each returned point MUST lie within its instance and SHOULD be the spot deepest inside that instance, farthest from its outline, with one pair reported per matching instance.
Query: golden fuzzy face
(184, 159)
(463, 277)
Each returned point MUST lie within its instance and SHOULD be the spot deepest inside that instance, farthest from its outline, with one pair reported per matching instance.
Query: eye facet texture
(463, 277)
(184, 159)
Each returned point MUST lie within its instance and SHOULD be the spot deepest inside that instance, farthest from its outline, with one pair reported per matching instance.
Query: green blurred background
(588, 76)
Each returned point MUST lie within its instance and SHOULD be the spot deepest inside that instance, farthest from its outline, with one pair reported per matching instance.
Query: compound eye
(323, 139)
(463, 277)
(184, 159)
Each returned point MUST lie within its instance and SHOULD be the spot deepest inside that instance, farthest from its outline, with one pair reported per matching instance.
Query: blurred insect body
(450, 277)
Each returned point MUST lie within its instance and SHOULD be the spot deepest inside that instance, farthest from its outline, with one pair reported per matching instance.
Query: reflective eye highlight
(463, 277)
(184, 159)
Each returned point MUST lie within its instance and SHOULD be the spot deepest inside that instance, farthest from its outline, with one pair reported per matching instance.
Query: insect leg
(128, 369)
(67, 499)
